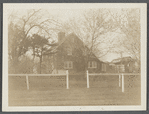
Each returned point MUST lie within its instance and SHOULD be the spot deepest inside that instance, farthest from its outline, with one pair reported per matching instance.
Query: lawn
(51, 91)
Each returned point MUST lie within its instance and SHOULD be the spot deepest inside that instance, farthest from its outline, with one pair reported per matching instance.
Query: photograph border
(142, 6)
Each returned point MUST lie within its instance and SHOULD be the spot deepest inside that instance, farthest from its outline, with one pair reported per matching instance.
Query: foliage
(129, 24)
(21, 28)
(24, 66)
(41, 47)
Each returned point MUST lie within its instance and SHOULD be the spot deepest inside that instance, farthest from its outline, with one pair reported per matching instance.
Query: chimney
(61, 36)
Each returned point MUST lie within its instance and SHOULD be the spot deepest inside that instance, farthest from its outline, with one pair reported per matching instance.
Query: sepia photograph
(74, 57)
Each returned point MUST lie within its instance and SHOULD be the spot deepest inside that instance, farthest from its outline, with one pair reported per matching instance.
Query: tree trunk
(33, 53)
(40, 64)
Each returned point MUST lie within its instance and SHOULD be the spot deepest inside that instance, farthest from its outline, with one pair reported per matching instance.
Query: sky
(64, 14)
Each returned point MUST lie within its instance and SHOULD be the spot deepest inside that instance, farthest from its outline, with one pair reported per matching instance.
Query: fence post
(27, 82)
(119, 80)
(123, 85)
(67, 79)
(87, 79)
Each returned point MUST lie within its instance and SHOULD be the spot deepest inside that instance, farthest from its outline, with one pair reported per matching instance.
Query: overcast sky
(64, 14)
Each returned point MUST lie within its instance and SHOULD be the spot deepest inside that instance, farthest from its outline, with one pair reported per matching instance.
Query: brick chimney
(61, 36)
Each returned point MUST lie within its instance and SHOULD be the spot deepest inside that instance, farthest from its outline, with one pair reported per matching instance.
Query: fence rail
(121, 77)
(37, 74)
(27, 75)
(111, 74)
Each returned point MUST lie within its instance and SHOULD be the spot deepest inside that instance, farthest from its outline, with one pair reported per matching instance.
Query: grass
(51, 91)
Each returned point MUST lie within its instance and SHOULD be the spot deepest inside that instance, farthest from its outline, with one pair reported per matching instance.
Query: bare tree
(129, 24)
(91, 28)
(22, 26)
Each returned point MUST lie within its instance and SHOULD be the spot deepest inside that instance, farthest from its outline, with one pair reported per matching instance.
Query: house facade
(125, 64)
(74, 56)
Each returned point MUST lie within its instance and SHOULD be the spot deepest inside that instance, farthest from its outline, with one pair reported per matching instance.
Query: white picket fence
(121, 77)
(27, 75)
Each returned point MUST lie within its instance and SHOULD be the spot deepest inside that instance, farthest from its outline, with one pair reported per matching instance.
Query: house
(125, 64)
(71, 54)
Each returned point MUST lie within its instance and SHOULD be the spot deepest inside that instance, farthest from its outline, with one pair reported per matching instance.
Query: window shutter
(95, 64)
(102, 66)
(71, 64)
(89, 64)
(105, 67)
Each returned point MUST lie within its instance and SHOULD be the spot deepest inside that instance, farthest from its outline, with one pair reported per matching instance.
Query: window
(128, 65)
(121, 68)
(89, 64)
(103, 67)
(68, 65)
(92, 64)
(69, 50)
